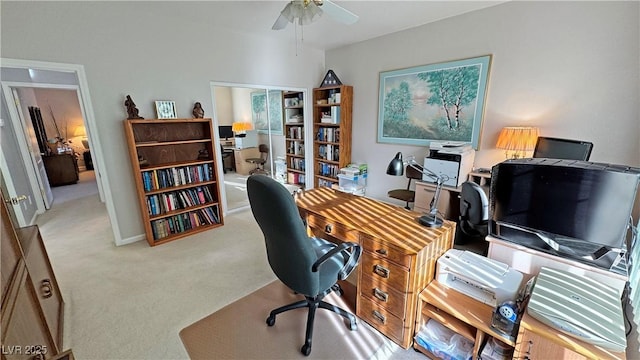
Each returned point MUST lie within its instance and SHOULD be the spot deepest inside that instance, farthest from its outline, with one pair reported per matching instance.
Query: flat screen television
(555, 148)
(225, 131)
(574, 209)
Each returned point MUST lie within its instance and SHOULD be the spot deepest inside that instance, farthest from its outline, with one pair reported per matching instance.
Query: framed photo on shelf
(166, 109)
(443, 101)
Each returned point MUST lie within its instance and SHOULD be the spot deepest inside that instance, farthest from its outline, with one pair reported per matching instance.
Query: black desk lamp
(396, 168)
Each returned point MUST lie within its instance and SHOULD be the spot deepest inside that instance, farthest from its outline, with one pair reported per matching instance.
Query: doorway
(37, 74)
(258, 113)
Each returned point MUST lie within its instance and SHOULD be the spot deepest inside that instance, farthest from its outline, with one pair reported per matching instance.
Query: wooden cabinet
(32, 306)
(176, 176)
(240, 157)
(332, 107)
(62, 169)
(293, 105)
(458, 312)
(537, 341)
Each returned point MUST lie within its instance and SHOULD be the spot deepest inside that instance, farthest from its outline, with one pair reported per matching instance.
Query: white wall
(570, 68)
(152, 52)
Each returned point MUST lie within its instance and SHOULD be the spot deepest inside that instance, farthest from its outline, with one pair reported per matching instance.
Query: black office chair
(474, 214)
(307, 265)
(225, 155)
(260, 161)
(407, 195)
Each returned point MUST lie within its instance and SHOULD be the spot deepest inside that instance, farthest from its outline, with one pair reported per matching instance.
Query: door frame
(86, 107)
(308, 134)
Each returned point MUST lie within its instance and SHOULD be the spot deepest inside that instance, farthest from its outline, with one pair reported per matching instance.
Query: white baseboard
(130, 240)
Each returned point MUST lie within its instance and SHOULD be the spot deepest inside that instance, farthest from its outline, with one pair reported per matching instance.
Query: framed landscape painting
(259, 112)
(443, 102)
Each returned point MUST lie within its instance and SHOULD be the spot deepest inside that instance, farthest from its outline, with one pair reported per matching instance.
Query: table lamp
(396, 168)
(240, 128)
(517, 139)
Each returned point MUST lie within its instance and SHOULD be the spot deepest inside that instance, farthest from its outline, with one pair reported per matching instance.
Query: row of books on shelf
(328, 134)
(296, 148)
(332, 116)
(323, 182)
(162, 203)
(296, 132)
(330, 170)
(170, 177)
(297, 164)
(183, 222)
(295, 178)
(329, 152)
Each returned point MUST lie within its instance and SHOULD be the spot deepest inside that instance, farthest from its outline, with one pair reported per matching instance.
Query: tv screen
(554, 148)
(574, 209)
(225, 131)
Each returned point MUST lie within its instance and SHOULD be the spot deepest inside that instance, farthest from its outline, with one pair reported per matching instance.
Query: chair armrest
(352, 262)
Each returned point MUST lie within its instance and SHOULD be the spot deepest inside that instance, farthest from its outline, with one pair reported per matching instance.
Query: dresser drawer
(385, 251)
(381, 319)
(385, 271)
(43, 280)
(332, 228)
(378, 291)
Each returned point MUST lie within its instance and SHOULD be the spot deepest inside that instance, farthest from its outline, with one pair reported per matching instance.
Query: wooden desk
(398, 259)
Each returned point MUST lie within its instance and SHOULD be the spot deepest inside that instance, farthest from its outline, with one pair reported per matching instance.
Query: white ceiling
(377, 18)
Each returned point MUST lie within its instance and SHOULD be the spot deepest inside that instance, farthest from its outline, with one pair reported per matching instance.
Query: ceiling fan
(304, 12)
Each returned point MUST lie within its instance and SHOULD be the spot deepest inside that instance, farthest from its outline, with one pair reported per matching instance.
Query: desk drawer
(384, 271)
(385, 251)
(332, 228)
(378, 291)
(381, 319)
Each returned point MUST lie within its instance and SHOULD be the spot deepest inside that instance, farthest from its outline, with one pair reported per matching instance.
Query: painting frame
(412, 112)
(166, 109)
(274, 125)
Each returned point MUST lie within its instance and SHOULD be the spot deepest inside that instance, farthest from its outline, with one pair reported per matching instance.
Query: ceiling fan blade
(280, 23)
(338, 13)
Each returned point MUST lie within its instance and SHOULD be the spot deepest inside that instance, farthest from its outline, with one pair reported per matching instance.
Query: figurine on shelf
(198, 112)
(142, 161)
(132, 110)
(203, 154)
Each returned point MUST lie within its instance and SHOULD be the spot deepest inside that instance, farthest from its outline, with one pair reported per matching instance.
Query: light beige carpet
(239, 331)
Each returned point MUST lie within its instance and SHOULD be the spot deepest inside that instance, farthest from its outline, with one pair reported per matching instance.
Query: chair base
(313, 303)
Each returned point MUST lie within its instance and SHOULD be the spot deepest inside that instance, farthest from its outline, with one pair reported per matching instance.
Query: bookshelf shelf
(176, 176)
(294, 137)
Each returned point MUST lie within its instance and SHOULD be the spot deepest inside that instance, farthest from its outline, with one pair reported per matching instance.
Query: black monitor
(555, 148)
(225, 131)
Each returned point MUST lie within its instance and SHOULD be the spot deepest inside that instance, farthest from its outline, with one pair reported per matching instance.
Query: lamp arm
(440, 179)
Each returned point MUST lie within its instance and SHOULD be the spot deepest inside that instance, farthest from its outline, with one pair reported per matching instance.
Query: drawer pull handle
(382, 251)
(381, 270)
(376, 314)
(381, 295)
(328, 228)
(45, 287)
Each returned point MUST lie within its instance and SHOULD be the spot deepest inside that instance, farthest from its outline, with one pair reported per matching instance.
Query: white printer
(452, 159)
(579, 306)
(481, 278)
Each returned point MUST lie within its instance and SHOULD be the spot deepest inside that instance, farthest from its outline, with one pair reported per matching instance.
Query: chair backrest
(264, 151)
(474, 208)
(289, 249)
(412, 174)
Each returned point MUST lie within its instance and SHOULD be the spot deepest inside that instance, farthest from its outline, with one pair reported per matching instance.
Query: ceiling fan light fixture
(305, 14)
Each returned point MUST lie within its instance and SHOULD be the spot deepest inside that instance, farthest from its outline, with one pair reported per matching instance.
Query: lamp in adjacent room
(396, 168)
(517, 140)
(240, 128)
(81, 132)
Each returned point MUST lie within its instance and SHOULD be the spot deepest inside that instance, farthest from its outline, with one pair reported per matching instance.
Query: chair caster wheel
(306, 349)
(271, 320)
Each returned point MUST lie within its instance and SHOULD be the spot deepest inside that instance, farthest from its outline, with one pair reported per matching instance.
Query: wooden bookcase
(176, 176)
(332, 108)
(293, 110)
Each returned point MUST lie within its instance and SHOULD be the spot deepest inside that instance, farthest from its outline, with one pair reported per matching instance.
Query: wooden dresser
(32, 306)
(398, 258)
(62, 169)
